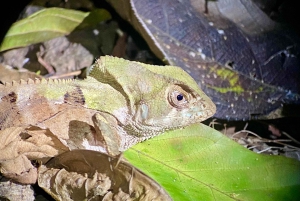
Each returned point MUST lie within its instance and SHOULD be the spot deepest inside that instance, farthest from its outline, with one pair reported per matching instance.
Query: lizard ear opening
(178, 97)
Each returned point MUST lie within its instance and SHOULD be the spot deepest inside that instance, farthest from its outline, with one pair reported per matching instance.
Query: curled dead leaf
(91, 175)
(64, 185)
(20, 145)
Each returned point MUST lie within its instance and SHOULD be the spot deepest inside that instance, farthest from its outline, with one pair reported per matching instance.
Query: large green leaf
(47, 24)
(199, 163)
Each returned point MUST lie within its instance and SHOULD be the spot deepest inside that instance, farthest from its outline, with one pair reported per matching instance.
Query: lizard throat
(145, 131)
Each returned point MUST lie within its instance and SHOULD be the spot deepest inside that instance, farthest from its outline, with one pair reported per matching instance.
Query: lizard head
(173, 103)
(158, 98)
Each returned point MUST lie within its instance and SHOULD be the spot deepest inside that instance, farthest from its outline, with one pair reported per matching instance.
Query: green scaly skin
(134, 101)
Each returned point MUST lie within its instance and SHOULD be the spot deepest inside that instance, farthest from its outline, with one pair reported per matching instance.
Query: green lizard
(133, 101)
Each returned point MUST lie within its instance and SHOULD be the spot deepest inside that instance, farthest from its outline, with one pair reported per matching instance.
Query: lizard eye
(178, 97)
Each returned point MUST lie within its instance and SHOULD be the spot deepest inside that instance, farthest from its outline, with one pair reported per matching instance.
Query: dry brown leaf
(19, 169)
(20, 145)
(64, 185)
(84, 174)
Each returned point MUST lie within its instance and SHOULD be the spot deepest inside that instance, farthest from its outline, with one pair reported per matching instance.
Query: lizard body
(132, 101)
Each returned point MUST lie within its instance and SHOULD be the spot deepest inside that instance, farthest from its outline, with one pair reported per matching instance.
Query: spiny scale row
(37, 81)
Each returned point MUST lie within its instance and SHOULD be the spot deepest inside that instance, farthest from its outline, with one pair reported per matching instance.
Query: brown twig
(74, 73)
(48, 67)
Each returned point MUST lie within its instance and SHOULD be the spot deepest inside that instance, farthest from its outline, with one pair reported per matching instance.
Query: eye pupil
(179, 97)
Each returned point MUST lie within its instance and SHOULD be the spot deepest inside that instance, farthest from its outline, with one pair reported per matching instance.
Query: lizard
(133, 101)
